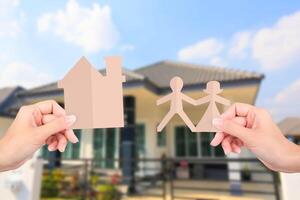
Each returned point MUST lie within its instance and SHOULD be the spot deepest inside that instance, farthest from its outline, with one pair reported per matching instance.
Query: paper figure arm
(222, 100)
(163, 99)
(203, 100)
(189, 99)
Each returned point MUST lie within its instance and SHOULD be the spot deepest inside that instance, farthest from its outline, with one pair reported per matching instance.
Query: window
(140, 140)
(206, 149)
(110, 143)
(161, 138)
(45, 152)
(186, 142)
(104, 145)
(190, 144)
(98, 147)
(72, 151)
(204, 143)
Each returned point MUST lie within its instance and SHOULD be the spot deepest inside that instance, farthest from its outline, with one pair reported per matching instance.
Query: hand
(256, 131)
(34, 126)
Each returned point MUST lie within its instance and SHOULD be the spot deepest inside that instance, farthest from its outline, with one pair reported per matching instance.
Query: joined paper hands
(176, 98)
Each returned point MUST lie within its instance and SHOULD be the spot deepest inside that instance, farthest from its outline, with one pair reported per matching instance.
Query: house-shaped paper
(95, 99)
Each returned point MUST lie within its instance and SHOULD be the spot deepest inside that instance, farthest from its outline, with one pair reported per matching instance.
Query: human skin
(34, 126)
(256, 131)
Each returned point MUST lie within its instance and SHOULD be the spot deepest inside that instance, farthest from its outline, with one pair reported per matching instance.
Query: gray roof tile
(160, 73)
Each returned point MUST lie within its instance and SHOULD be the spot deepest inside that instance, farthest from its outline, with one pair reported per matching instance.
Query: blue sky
(41, 40)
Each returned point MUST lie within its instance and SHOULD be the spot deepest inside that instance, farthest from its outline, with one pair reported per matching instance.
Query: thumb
(232, 128)
(56, 125)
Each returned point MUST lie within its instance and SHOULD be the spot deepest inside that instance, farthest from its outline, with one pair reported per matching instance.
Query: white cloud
(240, 44)
(274, 47)
(20, 73)
(278, 46)
(205, 49)
(89, 28)
(218, 61)
(285, 103)
(10, 19)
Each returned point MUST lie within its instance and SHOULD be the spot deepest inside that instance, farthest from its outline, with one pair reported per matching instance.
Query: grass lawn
(59, 199)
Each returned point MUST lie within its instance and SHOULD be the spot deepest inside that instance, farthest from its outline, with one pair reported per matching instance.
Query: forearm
(291, 158)
(3, 160)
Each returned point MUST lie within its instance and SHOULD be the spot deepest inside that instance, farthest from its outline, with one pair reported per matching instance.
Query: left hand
(35, 125)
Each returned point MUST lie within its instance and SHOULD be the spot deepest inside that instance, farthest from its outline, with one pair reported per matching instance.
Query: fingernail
(50, 148)
(62, 148)
(212, 143)
(74, 139)
(70, 120)
(218, 123)
(226, 152)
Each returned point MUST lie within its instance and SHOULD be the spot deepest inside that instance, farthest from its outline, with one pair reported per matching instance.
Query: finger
(53, 146)
(50, 107)
(242, 121)
(232, 128)
(226, 144)
(237, 109)
(239, 142)
(235, 147)
(57, 125)
(62, 142)
(219, 136)
(50, 139)
(70, 135)
(48, 118)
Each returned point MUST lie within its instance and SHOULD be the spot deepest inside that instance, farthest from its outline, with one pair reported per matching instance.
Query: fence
(170, 178)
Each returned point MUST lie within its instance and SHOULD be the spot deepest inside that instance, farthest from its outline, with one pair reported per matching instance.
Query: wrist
(292, 158)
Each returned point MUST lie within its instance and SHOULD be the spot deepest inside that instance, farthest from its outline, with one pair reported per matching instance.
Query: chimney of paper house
(114, 66)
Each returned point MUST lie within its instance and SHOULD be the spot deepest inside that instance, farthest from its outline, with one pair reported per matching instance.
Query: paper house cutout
(96, 100)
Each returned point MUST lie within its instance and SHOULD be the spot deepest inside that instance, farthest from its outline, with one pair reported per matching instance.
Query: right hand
(259, 134)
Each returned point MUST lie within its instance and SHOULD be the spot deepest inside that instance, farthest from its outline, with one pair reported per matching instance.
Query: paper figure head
(176, 84)
(213, 87)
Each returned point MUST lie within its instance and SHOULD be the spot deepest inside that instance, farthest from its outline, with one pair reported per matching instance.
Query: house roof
(5, 93)
(290, 126)
(52, 87)
(157, 76)
(160, 73)
(7, 98)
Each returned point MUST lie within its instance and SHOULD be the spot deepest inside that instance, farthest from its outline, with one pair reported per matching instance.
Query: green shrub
(51, 183)
(107, 192)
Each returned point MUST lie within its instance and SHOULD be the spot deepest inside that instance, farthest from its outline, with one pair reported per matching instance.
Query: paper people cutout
(212, 89)
(176, 99)
(96, 100)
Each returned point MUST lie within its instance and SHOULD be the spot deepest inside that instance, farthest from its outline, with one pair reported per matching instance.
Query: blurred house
(290, 127)
(7, 99)
(145, 85)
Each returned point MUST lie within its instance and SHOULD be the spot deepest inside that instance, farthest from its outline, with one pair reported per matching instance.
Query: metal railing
(262, 181)
(175, 178)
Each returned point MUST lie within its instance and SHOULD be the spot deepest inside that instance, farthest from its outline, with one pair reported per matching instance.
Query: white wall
(290, 186)
(23, 183)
